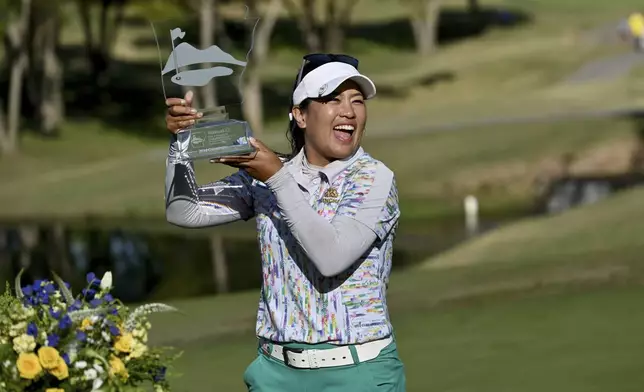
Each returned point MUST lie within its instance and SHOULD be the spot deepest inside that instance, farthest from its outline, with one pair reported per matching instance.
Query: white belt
(314, 359)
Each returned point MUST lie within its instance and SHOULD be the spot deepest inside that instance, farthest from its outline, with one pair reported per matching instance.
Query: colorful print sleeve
(191, 205)
(371, 198)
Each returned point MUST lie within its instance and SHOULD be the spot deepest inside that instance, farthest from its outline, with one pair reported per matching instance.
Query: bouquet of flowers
(51, 341)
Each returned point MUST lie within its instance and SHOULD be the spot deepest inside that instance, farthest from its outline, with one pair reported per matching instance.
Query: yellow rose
(48, 357)
(28, 365)
(124, 343)
(61, 371)
(117, 367)
(85, 324)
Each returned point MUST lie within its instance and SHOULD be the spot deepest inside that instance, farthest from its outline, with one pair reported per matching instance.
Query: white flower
(6, 363)
(106, 336)
(97, 384)
(80, 365)
(90, 374)
(24, 343)
(98, 368)
(94, 319)
(106, 282)
(17, 329)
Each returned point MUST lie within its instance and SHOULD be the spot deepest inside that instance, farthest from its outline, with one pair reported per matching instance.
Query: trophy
(221, 131)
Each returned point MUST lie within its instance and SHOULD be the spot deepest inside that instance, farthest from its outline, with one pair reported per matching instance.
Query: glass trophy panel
(190, 61)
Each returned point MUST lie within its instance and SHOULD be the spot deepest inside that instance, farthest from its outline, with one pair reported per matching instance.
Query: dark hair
(294, 133)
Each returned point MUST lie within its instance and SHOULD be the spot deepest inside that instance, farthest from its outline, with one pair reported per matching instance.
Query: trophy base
(215, 139)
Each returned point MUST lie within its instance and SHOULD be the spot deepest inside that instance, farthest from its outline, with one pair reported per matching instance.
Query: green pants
(384, 373)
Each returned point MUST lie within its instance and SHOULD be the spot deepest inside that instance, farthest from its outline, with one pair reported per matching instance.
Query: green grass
(555, 306)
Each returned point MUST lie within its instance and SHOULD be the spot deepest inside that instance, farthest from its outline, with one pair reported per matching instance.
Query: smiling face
(333, 126)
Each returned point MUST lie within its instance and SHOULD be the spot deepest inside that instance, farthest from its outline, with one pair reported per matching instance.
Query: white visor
(326, 78)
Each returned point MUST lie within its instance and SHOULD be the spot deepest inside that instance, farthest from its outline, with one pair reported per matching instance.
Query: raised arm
(191, 205)
(367, 212)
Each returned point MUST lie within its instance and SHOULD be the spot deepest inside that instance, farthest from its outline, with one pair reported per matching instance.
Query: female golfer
(326, 217)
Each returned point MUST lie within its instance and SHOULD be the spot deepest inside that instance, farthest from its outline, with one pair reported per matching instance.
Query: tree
(252, 86)
(473, 6)
(99, 46)
(424, 16)
(45, 77)
(328, 33)
(17, 61)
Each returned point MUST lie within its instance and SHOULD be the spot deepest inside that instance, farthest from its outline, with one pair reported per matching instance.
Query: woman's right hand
(180, 113)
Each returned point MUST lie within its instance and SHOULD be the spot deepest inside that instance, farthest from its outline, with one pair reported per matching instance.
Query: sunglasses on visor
(314, 60)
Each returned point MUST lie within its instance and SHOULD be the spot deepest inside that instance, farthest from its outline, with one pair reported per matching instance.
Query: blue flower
(65, 357)
(65, 322)
(54, 314)
(89, 293)
(108, 298)
(28, 290)
(95, 303)
(114, 330)
(81, 336)
(52, 340)
(32, 330)
(75, 306)
(49, 288)
(160, 374)
(91, 279)
(113, 311)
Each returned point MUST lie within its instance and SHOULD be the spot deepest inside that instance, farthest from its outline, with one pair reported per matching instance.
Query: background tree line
(34, 71)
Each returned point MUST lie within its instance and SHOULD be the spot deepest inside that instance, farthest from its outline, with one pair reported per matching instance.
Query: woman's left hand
(261, 164)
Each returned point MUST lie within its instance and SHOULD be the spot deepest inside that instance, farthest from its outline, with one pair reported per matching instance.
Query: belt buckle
(285, 351)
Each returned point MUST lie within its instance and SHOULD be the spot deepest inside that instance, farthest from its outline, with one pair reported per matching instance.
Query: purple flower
(95, 303)
(28, 290)
(32, 330)
(81, 336)
(52, 340)
(108, 298)
(49, 288)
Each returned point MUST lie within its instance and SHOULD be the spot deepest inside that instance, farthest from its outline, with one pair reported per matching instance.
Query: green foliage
(89, 348)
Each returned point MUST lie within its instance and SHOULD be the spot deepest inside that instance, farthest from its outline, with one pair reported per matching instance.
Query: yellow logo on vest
(330, 195)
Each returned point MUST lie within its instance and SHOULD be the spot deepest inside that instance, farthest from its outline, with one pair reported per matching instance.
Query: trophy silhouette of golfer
(216, 134)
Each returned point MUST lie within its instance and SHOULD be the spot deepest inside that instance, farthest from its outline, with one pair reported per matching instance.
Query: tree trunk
(57, 252)
(51, 97)
(252, 87)
(473, 6)
(219, 263)
(306, 23)
(207, 32)
(16, 37)
(337, 20)
(308, 26)
(424, 23)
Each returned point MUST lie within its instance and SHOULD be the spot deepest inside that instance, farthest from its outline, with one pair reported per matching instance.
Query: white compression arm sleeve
(332, 246)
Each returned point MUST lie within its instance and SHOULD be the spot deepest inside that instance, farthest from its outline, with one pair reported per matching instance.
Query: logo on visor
(322, 89)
